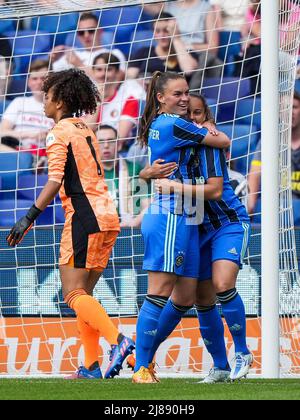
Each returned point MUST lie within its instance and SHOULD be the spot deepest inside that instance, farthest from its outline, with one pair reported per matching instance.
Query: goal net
(217, 45)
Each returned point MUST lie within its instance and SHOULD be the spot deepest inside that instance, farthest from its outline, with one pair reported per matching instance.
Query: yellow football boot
(143, 376)
(153, 372)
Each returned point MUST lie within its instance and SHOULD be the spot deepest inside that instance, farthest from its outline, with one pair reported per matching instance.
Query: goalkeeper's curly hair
(75, 89)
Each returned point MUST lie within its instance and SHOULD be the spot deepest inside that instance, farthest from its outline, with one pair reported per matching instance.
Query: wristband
(33, 213)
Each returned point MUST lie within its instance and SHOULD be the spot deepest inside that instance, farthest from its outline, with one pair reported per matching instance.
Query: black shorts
(9, 141)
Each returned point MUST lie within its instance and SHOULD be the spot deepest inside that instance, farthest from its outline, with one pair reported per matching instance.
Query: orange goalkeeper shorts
(89, 251)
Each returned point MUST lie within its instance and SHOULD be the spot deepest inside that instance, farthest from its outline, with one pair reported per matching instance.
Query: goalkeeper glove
(22, 226)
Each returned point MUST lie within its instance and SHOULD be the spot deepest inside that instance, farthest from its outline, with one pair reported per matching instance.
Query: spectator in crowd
(230, 14)
(197, 24)
(251, 55)
(252, 29)
(122, 179)
(254, 180)
(255, 170)
(289, 25)
(120, 106)
(90, 36)
(5, 64)
(138, 153)
(24, 123)
(169, 53)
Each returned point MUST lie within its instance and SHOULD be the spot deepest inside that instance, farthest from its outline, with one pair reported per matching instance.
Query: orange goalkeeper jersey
(74, 161)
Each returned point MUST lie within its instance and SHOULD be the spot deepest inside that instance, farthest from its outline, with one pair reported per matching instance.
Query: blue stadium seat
(12, 210)
(248, 111)
(110, 18)
(131, 14)
(226, 91)
(123, 22)
(296, 207)
(53, 214)
(17, 87)
(13, 165)
(59, 26)
(244, 140)
(146, 22)
(229, 47)
(30, 186)
(297, 85)
(28, 46)
(122, 37)
(7, 25)
(141, 39)
(257, 213)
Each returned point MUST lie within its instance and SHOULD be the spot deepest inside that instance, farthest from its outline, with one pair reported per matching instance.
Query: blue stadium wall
(31, 289)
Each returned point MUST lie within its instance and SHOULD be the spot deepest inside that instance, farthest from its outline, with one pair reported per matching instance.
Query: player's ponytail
(152, 108)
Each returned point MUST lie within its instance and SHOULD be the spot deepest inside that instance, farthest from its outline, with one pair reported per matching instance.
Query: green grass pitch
(169, 389)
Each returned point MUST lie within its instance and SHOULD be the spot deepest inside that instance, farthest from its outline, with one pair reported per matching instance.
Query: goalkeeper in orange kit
(92, 224)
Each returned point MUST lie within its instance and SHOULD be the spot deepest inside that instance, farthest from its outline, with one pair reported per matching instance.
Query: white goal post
(270, 188)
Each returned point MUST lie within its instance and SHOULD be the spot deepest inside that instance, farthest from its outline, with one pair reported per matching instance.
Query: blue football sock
(212, 332)
(169, 319)
(146, 328)
(234, 312)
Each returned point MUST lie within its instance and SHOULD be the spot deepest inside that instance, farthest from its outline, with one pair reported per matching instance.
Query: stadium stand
(28, 46)
(227, 93)
(248, 111)
(13, 165)
(58, 26)
(229, 49)
(296, 207)
(244, 137)
(7, 25)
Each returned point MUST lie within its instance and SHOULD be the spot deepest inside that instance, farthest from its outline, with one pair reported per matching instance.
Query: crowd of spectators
(187, 36)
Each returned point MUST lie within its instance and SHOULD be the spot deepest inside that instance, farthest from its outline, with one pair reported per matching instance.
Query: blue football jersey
(173, 139)
(211, 163)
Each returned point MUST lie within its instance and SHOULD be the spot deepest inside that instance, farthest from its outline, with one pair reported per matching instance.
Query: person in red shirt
(121, 100)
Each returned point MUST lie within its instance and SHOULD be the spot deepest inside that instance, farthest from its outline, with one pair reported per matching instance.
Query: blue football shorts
(230, 243)
(171, 245)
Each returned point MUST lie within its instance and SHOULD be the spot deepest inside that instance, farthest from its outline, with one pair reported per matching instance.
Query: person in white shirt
(231, 14)
(196, 22)
(121, 100)
(89, 34)
(24, 119)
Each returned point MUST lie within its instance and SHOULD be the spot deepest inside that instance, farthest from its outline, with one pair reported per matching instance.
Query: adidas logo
(233, 251)
(236, 328)
(151, 332)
